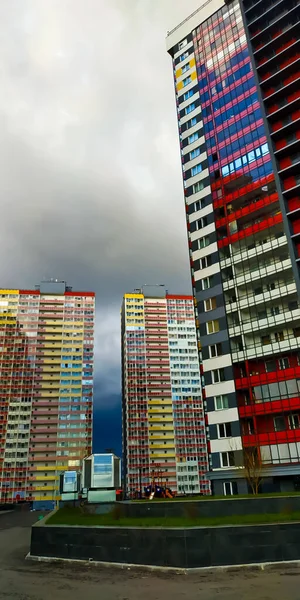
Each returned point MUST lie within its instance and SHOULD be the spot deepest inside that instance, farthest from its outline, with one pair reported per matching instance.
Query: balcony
(283, 52)
(286, 405)
(286, 69)
(285, 148)
(282, 108)
(283, 128)
(275, 437)
(258, 274)
(256, 349)
(277, 24)
(261, 12)
(290, 185)
(286, 86)
(245, 254)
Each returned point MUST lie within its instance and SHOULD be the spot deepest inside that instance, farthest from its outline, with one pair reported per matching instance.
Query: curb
(175, 570)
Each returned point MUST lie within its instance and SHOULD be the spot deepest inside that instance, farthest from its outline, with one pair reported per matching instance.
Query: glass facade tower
(243, 250)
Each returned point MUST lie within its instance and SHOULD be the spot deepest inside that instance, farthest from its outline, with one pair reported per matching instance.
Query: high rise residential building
(236, 74)
(163, 422)
(46, 388)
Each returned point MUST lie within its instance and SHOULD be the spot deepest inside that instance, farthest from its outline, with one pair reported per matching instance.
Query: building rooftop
(192, 21)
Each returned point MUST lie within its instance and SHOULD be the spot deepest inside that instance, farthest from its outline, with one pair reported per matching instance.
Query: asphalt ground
(27, 580)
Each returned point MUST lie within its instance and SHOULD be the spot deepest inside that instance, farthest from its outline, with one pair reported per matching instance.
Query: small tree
(253, 467)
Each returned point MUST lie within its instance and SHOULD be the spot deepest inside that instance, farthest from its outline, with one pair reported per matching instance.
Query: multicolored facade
(238, 115)
(46, 389)
(163, 422)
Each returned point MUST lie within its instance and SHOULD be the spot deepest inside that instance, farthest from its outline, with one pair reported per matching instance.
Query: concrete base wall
(183, 548)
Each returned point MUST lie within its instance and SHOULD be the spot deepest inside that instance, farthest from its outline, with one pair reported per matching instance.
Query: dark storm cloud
(90, 169)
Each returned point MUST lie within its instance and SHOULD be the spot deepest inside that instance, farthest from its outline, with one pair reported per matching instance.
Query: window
(199, 204)
(187, 81)
(194, 153)
(205, 241)
(270, 366)
(221, 402)
(188, 94)
(207, 283)
(230, 488)
(293, 305)
(294, 421)
(201, 223)
(195, 170)
(227, 459)
(197, 187)
(192, 122)
(218, 375)
(283, 363)
(215, 350)
(265, 340)
(224, 430)
(185, 67)
(279, 423)
(184, 56)
(210, 304)
(205, 262)
(193, 138)
(248, 426)
(212, 326)
(182, 44)
(279, 336)
(190, 108)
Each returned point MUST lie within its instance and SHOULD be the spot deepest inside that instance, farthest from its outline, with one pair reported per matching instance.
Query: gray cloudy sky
(90, 175)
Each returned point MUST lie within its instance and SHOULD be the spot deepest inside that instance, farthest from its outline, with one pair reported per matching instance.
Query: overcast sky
(90, 175)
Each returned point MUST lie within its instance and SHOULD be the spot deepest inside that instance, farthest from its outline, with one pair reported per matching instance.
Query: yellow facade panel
(133, 296)
(169, 428)
(45, 488)
(178, 73)
(53, 361)
(168, 436)
(161, 402)
(38, 497)
(13, 292)
(192, 62)
(154, 447)
(51, 468)
(157, 455)
(163, 411)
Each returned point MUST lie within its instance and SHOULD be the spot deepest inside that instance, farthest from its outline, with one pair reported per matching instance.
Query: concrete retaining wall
(184, 548)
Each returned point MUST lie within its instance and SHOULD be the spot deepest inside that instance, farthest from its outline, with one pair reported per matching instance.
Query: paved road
(24, 580)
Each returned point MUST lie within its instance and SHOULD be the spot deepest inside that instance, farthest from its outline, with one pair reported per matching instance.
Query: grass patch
(74, 516)
(197, 498)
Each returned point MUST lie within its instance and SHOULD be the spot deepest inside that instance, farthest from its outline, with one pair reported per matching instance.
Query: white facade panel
(217, 389)
(226, 444)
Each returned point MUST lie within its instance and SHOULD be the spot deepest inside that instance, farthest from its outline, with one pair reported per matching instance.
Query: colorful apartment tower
(46, 388)
(236, 75)
(163, 422)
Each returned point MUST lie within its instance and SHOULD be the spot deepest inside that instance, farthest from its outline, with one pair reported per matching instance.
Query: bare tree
(250, 464)
(253, 467)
